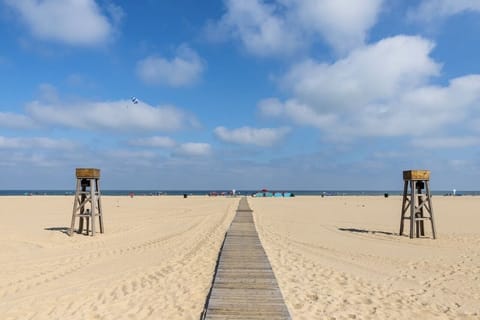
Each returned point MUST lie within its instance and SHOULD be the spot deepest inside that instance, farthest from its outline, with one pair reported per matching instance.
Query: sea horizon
(224, 192)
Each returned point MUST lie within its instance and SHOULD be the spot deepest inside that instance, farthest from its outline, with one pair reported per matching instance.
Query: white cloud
(260, 27)
(282, 27)
(246, 135)
(194, 149)
(156, 142)
(271, 107)
(379, 90)
(15, 121)
(129, 155)
(369, 74)
(428, 10)
(297, 112)
(182, 70)
(35, 142)
(446, 142)
(120, 115)
(343, 23)
(72, 22)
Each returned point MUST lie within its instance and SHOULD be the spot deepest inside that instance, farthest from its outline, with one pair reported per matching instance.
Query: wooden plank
(244, 286)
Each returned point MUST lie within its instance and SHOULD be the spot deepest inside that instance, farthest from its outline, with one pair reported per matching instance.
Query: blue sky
(244, 94)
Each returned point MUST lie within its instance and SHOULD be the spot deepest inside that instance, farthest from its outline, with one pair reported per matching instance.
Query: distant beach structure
(87, 202)
(417, 200)
(269, 194)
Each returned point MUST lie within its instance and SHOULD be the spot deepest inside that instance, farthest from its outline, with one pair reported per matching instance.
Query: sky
(240, 94)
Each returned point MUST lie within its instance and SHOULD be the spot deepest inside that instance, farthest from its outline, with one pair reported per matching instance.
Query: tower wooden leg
(99, 207)
(81, 224)
(75, 206)
(93, 199)
(412, 207)
(421, 205)
(430, 208)
(87, 223)
(404, 207)
(82, 207)
(417, 225)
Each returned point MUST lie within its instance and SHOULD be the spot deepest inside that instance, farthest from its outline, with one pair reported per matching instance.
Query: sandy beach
(154, 261)
(334, 258)
(342, 258)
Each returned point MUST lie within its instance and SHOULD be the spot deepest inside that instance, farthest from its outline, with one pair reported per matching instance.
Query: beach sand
(334, 258)
(154, 261)
(342, 258)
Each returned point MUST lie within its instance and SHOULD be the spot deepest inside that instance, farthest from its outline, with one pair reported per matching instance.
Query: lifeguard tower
(417, 198)
(87, 203)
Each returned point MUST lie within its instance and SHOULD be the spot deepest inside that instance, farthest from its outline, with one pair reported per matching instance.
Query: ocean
(28, 192)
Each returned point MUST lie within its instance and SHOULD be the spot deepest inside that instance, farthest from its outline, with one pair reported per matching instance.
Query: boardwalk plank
(244, 286)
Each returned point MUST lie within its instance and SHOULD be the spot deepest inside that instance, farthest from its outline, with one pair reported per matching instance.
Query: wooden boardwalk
(244, 286)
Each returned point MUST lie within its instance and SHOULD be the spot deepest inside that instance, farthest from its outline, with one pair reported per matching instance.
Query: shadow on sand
(63, 230)
(367, 231)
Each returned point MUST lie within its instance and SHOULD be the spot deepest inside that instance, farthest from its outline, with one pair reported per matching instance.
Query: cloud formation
(196, 149)
(182, 70)
(447, 142)
(120, 115)
(155, 142)
(261, 27)
(282, 27)
(369, 74)
(342, 23)
(35, 142)
(264, 137)
(383, 89)
(15, 121)
(73, 22)
(430, 10)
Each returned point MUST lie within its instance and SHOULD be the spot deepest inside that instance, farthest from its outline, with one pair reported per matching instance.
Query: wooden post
(99, 205)
(87, 203)
(412, 206)
(405, 204)
(420, 203)
(76, 203)
(430, 208)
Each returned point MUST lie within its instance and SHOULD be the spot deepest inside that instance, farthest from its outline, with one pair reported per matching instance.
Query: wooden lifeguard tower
(87, 203)
(417, 198)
